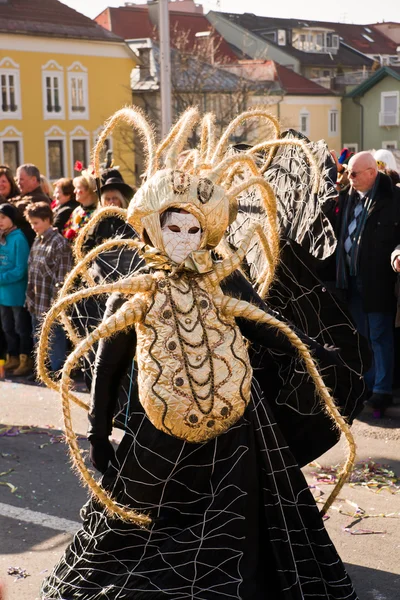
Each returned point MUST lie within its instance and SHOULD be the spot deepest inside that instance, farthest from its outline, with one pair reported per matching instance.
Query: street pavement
(40, 496)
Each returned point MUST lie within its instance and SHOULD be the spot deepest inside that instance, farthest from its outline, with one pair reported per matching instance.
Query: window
(78, 91)
(333, 122)
(390, 145)
(107, 146)
(332, 41)
(56, 163)
(79, 152)
(10, 107)
(79, 147)
(368, 37)
(53, 100)
(55, 153)
(353, 147)
(77, 95)
(53, 90)
(389, 113)
(305, 122)
(281, 37)
(8, 100)
(11, 154)
(11, 147)
(144, 55)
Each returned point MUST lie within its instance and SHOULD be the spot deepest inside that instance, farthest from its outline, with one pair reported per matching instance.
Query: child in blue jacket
(15, 319)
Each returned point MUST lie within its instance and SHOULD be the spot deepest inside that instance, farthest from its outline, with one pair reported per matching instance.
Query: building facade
(61, 78)
(371, 112)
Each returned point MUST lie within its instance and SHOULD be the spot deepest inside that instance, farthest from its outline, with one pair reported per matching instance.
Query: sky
(322, 10)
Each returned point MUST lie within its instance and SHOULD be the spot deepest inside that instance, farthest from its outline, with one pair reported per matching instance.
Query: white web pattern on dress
(286, 499)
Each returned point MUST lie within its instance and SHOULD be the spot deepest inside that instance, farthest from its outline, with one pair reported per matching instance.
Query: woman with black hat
(114, 192)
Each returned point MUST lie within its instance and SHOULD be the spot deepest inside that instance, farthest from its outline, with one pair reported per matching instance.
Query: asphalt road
(40, 496)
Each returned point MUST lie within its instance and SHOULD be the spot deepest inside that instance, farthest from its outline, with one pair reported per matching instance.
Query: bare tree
(201, 75)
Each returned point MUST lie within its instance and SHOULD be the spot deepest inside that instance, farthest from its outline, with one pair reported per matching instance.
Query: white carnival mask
(181, 235)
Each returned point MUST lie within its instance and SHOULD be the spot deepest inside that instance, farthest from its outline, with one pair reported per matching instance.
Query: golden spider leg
(91, 255)
(81, 270)
(131, 312)
(251, 114)
(135, 118)
(223, 269)
(191, 159)
(188, 121)
(272, 248)
(300, 144)
(240, 308)
(173, 132)
(99, 215)
(207, 138)
(175, 135)
(217, 173)
(131, 285)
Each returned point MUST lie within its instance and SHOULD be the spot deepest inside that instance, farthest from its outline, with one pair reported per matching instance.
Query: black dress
(231, 518)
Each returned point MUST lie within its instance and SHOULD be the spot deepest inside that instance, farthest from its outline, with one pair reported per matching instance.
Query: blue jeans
(58, 343)
(17, 329)
(377, 328)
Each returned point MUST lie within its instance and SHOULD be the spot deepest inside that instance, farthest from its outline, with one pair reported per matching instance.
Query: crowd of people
(367, 225)
(38, 226)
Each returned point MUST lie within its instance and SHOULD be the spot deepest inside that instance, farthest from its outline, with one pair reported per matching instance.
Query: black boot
(379, 403)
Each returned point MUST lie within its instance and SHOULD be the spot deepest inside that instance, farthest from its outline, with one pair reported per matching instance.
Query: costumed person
(114, 192)
(385, 160)
(203, 497)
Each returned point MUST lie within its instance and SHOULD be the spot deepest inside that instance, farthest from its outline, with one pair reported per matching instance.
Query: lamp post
(165, 68)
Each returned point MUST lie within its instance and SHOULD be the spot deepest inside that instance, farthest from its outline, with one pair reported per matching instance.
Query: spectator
(114, 192)
(28, 179)
(64, 195)
(86, 196)
(394, 176)
(110, 264)
(368, 229)
(15, 319)
(385, 160)
(8, 187)
(49, 262)
(46, 187)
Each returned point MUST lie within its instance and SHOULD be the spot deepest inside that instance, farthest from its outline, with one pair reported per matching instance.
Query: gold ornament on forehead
(194, 372)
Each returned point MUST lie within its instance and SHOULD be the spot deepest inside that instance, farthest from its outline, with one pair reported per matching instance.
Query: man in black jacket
(368, 230)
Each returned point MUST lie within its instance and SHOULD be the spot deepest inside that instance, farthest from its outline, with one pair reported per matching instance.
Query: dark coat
(36, 195)
(62, 213)
(381, 234)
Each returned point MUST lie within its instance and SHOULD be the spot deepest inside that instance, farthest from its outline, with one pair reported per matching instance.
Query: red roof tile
(49, 18)
(293, 83)
(133, 22)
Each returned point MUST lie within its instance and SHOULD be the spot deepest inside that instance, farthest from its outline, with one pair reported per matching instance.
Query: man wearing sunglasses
(368, 228)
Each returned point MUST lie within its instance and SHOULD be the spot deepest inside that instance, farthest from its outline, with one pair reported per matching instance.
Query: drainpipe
(358, 103)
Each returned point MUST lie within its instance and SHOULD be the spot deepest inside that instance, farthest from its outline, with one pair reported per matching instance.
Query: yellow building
(61, 76)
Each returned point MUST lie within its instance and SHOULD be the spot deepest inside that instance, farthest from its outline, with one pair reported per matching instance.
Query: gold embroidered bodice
(194, 370)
